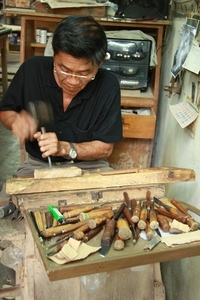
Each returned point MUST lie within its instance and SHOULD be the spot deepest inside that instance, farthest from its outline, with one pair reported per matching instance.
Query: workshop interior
(131, 232)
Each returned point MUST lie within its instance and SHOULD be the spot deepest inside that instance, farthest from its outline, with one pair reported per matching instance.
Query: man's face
(73, 74)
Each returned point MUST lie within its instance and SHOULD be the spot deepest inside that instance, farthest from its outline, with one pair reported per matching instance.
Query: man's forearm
(88, 150)
(7, 118)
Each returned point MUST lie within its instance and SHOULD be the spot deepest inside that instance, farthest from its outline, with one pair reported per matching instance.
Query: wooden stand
(3, 45)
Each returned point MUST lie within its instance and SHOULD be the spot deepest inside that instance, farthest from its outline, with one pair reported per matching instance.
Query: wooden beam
(111, 179)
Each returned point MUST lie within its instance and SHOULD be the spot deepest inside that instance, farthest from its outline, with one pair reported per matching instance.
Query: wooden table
(3, 40)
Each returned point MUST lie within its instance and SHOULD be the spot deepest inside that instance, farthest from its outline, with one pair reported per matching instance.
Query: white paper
(184, 113)
(192, 62)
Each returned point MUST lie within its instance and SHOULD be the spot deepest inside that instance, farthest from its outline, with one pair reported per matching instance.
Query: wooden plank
(57, 172)
(112, 179)
(80, 197)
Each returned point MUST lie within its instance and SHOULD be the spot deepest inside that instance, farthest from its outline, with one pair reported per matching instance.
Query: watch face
(72, 153)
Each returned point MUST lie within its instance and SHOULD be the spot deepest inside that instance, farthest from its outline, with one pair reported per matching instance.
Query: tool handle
(92, 214)
(123, 229)
(93, 223)
(128, 215)
(119, 211)
(53, 231)
(109, 231)
(149, 232)
(92, 233)
(136, 213)
(143, 219)
(180, 208)
(163, 222)
(119, 243)
(153, 222)
(77, 211)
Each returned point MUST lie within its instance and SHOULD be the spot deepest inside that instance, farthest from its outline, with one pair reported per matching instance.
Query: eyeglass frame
(69, 75)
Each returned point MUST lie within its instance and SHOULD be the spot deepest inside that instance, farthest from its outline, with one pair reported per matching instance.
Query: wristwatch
(72, 152)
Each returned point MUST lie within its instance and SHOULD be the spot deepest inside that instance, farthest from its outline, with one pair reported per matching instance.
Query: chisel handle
(109, 231)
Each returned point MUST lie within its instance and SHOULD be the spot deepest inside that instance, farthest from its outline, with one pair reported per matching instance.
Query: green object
(57, 214)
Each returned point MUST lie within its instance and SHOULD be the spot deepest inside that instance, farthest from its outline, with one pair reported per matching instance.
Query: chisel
(109, 231)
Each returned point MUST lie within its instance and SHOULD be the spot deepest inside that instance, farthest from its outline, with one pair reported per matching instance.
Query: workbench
(41, 278)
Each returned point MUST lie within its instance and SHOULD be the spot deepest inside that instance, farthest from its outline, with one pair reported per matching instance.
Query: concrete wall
(175, 147)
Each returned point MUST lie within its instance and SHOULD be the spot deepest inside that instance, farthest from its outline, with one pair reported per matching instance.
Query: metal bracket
(96, 195)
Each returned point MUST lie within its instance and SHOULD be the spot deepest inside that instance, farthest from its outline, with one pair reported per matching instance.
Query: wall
(175, 147)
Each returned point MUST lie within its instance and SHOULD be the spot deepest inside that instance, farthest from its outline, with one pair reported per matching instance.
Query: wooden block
(57, 172)
(95, 11)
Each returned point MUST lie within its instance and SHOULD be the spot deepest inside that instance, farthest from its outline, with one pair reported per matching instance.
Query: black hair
(81, 37)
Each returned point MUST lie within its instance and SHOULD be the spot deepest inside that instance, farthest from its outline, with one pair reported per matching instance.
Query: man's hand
(22, 124)
(48, 143)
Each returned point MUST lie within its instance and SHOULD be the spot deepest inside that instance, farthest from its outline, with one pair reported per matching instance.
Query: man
(84, 100)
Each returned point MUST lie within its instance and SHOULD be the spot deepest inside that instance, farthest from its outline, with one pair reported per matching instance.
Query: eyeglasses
(65, 75)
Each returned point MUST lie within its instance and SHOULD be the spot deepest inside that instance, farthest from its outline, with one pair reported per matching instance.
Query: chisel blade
(152, 243)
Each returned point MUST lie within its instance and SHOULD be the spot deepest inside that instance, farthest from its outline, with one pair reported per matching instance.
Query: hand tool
(76, 212)
(109, 231)
(128, 217)
(154, 242)
(43, 115)
(93, 223)
(136, 213)
(137, 235)
(43, 130)
(149, 231)
(126, 199)
(118, 243)
(190, 221)
(163, 222)
(54, 231)
(36, 226)
(153, 222)
(124, 231)
(169, 211)
(92, 233)
(61, 240)
(143, 216)
(92, 214)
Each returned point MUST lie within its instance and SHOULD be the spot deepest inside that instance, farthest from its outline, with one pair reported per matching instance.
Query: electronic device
(129, 61)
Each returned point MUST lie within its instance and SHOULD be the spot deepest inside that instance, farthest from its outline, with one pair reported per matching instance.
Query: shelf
(38, 45)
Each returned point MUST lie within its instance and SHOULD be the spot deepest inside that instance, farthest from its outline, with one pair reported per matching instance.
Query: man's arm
(49, 145)
(22, 124)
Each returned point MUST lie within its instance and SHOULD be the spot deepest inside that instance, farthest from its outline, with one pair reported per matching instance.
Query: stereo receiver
(129, 61)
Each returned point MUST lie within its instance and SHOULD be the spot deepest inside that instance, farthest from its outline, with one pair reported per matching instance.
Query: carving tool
(163, 222)
(43, 115)
(124, 231)
(92, 233)
(190, 221)
(154, 242)
(43, 130)
(153, 222)
(143, 216)
(173, 213)
(36, 226)
(93, 223)
(136, 212)
(119, 243)
(109, 231)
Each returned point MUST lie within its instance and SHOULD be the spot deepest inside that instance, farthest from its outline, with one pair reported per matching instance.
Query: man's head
(81, 37)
